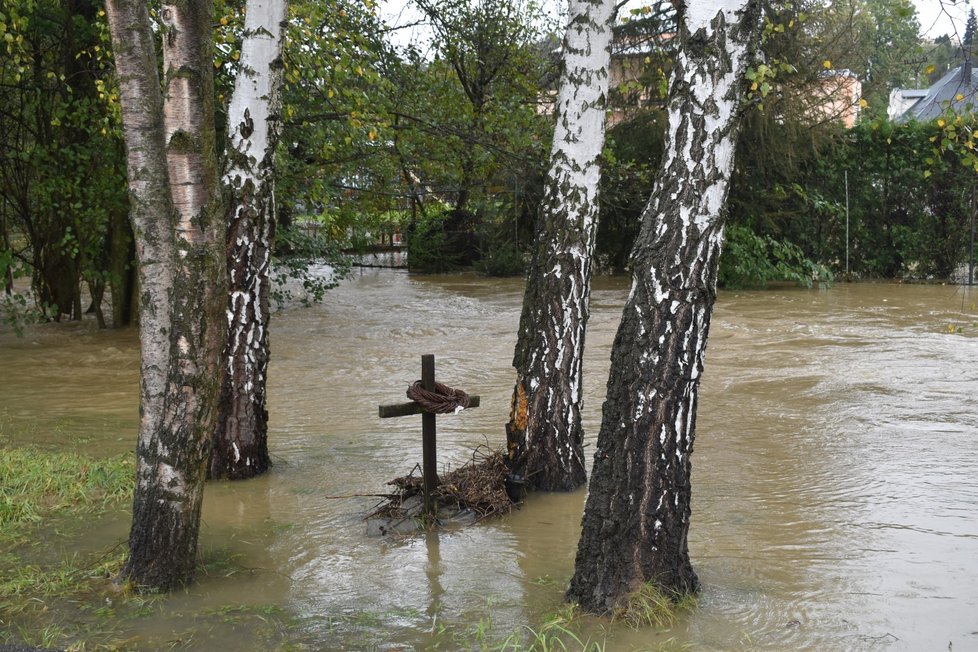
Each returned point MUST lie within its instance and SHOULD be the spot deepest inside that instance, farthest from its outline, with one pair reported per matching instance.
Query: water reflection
(835, 475)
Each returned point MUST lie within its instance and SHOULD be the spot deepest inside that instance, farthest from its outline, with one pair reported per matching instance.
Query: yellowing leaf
(863, 104)
(329, 93)
(930, 69)
(959, 97)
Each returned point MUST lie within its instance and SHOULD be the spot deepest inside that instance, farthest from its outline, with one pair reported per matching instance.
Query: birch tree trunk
(544, 434)
(637, 513)
(241, 437)
(178, 225)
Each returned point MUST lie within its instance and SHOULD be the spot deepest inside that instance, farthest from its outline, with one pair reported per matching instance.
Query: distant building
(956, 90)
(902, 99)
(836, 96)
(630, 59)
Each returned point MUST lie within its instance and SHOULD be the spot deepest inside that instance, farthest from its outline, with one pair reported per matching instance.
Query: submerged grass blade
(650, 607)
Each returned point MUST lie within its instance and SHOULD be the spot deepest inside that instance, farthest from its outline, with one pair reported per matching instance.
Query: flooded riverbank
(835, 476)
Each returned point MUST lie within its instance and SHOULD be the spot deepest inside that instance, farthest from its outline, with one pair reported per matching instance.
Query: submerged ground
(835, 477)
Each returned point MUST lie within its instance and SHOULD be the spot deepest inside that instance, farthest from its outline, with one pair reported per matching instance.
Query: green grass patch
(650, 607)
(559, 631)
(36, 485)
(39, 488)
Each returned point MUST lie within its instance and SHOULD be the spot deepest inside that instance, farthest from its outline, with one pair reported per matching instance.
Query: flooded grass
(559, 631)
(650, 607)
(40, 493)
(36, 485)
(56, 599)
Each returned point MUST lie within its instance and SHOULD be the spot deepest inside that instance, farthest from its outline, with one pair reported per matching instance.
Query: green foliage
(335, 112)
(875, 39)
(752, 261)
(502, 259)
(307, 265)
(62, 173)
(644, 48)
(429, 245)
(631, 156)
(17, 310)
(371, 131)
(909, 206)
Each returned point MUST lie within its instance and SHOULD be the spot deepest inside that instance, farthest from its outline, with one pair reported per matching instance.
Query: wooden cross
(429, 466)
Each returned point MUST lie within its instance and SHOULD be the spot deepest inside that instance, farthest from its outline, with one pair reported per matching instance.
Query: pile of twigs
(478, 485)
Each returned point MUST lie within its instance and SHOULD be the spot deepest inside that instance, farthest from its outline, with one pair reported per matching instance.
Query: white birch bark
(240, 439)
(151, 208)
(179, 231)
(637, 513)
(545, 436)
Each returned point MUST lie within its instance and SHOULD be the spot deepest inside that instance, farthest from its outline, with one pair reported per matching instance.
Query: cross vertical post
(429, 462)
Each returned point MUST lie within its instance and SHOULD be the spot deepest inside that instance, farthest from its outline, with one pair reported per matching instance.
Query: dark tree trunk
(545, 438)
(56, 275)
(8, 276)
(121, 266)
(637, 513)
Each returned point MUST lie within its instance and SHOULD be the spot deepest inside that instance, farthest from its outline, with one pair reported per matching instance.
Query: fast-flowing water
(835, 476)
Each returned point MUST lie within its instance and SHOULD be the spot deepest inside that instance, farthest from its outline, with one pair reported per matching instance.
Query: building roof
(944, 94)
(902, 99)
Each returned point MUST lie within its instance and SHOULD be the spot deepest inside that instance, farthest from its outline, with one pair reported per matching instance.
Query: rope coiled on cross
(442, 400)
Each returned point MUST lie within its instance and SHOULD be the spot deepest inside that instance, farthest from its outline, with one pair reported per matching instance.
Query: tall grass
(35, 484)
(650, 607)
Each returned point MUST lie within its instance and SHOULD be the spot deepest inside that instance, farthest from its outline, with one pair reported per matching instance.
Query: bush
(442, 242)
(752, 261)
(503, 259)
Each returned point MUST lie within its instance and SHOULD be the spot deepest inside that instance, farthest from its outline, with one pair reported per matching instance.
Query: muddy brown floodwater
(835, 476)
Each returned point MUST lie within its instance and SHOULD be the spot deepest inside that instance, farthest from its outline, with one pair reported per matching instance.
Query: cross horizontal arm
(407, 409)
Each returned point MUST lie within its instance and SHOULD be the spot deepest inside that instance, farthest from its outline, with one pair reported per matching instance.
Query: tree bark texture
(178, 227)
(637, 513)
(241, 437)
(545, 437)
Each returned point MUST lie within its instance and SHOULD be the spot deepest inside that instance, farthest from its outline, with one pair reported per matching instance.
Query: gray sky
(942, 17)
(936, 17)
